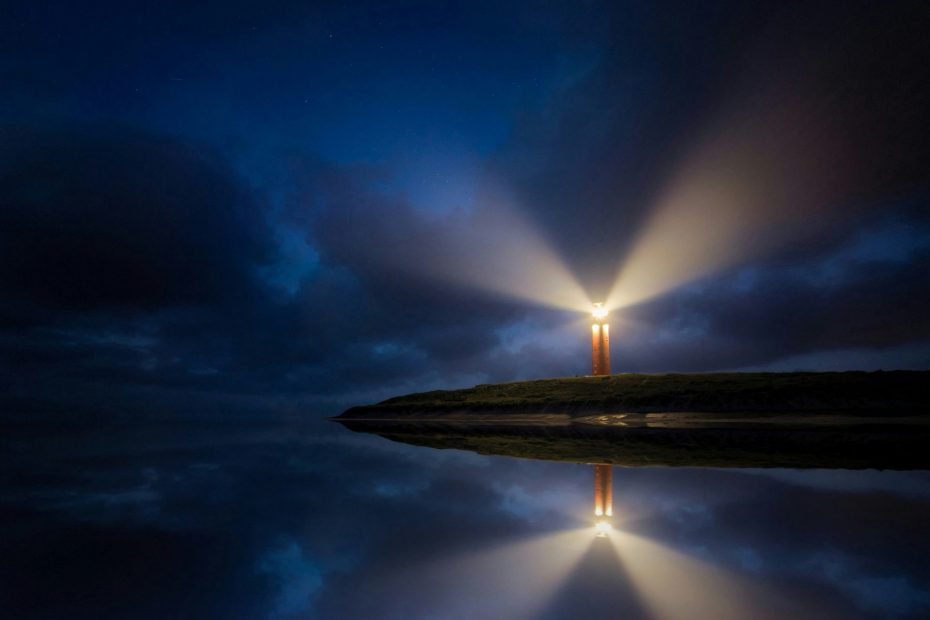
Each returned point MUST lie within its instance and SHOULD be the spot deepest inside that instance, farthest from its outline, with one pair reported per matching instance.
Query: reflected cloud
(674, 585)
(300, 579)
(290, 522)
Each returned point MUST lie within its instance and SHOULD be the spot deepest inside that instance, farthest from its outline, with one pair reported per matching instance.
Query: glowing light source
(602, 528)
(600, 341)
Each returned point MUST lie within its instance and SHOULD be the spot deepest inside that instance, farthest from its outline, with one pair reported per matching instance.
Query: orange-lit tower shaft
(600, 342)
(603, 491)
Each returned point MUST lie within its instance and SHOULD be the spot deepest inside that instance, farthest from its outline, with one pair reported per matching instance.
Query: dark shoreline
(845, 420)
(868, 394)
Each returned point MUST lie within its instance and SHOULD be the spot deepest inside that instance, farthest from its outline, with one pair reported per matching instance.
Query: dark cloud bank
(137, 265)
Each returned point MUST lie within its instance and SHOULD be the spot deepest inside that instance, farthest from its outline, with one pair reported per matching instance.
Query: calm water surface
(286, 519)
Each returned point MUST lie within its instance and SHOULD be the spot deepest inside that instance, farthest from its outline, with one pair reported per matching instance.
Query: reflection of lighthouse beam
(603, 491)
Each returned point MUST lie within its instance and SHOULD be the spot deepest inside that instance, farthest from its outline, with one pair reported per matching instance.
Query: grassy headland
(858, 393)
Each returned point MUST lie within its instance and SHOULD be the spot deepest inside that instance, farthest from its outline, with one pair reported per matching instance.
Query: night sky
(231, 205)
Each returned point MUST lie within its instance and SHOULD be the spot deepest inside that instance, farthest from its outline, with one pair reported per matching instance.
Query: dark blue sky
(281, 204)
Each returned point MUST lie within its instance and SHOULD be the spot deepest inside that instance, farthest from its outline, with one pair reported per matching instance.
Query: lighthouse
(600, 341)
(603, 498)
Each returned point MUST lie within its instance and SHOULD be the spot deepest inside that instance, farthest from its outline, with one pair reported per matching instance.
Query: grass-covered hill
(850, 392)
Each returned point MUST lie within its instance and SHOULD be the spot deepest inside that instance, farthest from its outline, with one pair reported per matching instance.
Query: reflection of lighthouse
(603, 497)
(603, 491)
(600, 341)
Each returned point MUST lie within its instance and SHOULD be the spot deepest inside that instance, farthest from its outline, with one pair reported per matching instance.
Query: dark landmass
(851, 393)
(849, 420)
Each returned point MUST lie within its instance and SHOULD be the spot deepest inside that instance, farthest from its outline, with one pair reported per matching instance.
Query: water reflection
(603, 498)
(674, 440)
(286, 519)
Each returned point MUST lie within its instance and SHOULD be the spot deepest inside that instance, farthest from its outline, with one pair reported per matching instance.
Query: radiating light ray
(676, 586)
(511, 581)
(769, 169)
(596, 588)
(505, 254)
(490, 246)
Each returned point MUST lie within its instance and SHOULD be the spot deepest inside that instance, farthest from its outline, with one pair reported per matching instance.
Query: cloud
(111, 217)
(133, 262)
(300, 579)
(763, 313)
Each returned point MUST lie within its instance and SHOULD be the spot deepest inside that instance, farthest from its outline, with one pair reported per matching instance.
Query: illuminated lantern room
(600, 341)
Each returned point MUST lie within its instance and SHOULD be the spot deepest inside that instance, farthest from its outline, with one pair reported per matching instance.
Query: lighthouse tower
(600, 341)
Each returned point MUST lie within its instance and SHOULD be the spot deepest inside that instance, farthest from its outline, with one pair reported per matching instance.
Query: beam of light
(502, 252)
(491, 247)
(673, 585)
(676, 586)
(767, 171)
(511, 581)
